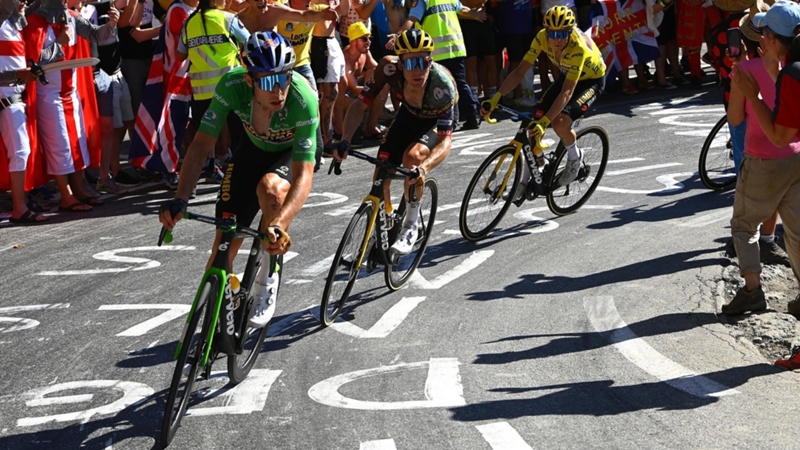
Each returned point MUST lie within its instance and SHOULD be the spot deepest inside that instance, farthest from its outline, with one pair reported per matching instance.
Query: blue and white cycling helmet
(268, 51)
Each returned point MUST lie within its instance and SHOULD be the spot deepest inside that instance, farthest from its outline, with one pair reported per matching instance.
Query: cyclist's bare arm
(302, 174)
(438, 154)
(351, 120)
(196, 156)
(275, 13)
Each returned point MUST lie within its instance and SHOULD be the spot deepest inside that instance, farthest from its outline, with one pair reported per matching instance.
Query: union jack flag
(619, 28)
(164, 111)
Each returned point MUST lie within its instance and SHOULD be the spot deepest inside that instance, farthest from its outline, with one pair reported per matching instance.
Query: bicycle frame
(521, 143)
(218, 274)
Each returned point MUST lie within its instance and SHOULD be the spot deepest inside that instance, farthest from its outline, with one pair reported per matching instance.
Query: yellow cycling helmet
(413, 41)
(559, 18)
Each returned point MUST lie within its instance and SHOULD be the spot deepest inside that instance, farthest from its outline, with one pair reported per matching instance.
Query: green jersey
(294, 126)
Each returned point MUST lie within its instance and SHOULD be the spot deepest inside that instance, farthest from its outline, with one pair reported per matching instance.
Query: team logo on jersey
(289, 27)
(283, 114)
(305, 143)
(390, 69)
(282, 170)
(210, 115)
(272, 137)
(438, 93)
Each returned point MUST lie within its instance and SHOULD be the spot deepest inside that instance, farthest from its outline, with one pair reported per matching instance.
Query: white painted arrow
(474, 260)
(390, 320)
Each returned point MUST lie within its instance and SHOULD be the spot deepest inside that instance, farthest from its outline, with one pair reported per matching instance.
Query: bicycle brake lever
(412, 194)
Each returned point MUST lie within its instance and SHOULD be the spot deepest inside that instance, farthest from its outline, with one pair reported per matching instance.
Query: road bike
(224, 318)
(717, 167)
(366, 241)
(494, 186)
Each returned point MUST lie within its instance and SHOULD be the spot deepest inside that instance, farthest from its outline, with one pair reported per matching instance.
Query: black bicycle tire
(394, 285)
(170, 425)
(598, 175)
(327, 318)
(462, 216)
(702, 170)
(236, 372)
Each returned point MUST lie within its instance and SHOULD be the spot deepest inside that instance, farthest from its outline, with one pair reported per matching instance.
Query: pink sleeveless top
(756, 143)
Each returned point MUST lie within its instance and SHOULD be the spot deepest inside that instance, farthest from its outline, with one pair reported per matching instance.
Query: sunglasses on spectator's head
(563, 34)
(268, 82)
(421, 62)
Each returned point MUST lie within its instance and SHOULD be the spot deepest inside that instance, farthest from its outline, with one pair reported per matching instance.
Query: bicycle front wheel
(563, 200)
(346, 264)
(490, 193)
(717, 167)
(239, 365)
(401, 267)
(189, 356)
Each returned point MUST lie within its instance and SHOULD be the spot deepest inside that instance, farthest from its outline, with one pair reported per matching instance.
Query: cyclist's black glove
(176, 207)
(342, 149)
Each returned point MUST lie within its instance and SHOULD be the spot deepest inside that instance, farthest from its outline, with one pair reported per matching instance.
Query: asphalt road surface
(595, 330)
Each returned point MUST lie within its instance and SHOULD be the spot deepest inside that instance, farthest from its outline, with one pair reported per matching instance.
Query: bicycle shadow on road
(150, 356)
(603, 397)
(686, 207)
(566, 343)
(537, 283)
(136, 426)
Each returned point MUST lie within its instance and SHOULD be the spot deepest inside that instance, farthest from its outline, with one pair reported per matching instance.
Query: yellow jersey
(580, 59)
(299, 35)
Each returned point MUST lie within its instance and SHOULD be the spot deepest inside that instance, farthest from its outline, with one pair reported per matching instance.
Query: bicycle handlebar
(228, 222)
(412, 194)
(516, 116)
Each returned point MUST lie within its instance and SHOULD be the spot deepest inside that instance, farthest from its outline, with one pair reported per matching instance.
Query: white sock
(263, 272)
(572, 151)
(412, 214)
(767, 238)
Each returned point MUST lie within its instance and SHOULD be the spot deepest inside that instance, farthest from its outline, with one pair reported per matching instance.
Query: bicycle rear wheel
(484, 205)
(563, 200)
(400, 268)
(717, 167)
(346, 264)
(240, 365)
(189, 356)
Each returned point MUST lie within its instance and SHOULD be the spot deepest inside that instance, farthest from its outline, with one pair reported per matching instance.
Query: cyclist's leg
(403, 133)
(584, 95)
(416, 153)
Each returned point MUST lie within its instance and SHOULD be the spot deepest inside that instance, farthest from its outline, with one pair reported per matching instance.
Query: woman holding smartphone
(770, 172)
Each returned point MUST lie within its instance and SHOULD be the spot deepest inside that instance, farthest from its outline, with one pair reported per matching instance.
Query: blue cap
(783, 18)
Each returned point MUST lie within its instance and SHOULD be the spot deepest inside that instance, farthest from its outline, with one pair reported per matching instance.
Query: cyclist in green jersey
(273, 167)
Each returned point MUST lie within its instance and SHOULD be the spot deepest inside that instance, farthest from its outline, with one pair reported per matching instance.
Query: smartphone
(734, 42)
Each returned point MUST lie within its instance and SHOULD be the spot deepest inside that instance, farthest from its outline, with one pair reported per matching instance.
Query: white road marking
(246, 397)
(605, 319)
(626, 160)
(173, 311)
(19, 323)
(707, 218)
(502, 436)
(669, 181)
(132, 393)
(642, 168)
(24, 308)
(474, 260)
(332, 199)
(113, 255)
(443, 388)
(383, 444)
(318, 267)
(689, 110)
(390, 320)
(689, 120)
(348, 210)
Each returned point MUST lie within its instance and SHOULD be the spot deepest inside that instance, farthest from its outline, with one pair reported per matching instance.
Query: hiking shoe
(171, 180)
(405, 240)
(772, 253)
(109, 186)
(794, 306)
(42, 195)
(570, 172)
(745, 301)
(793, 363)
(125, 179)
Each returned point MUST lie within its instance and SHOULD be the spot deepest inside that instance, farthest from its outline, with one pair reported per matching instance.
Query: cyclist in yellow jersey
(581, 63)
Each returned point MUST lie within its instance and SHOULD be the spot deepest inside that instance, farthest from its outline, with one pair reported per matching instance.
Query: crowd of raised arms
(265, 90)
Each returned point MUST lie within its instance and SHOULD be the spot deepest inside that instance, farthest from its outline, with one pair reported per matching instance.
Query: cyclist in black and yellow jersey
(581, 63)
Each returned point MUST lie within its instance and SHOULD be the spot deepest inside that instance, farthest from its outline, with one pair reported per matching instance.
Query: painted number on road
(114, 256)
(9, 324)
(173, 311)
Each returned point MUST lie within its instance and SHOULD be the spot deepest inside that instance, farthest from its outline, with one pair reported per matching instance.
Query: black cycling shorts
(478, 38)
(237, 195)
(406, 130)
(585, 93)
(319, 56)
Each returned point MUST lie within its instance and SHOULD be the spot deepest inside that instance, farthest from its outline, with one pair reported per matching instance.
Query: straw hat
(746, 24)
(734, 5)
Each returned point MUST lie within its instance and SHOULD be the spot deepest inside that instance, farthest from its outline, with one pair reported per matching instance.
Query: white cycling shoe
(570, 172)
(264, 308)
(405, 240)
